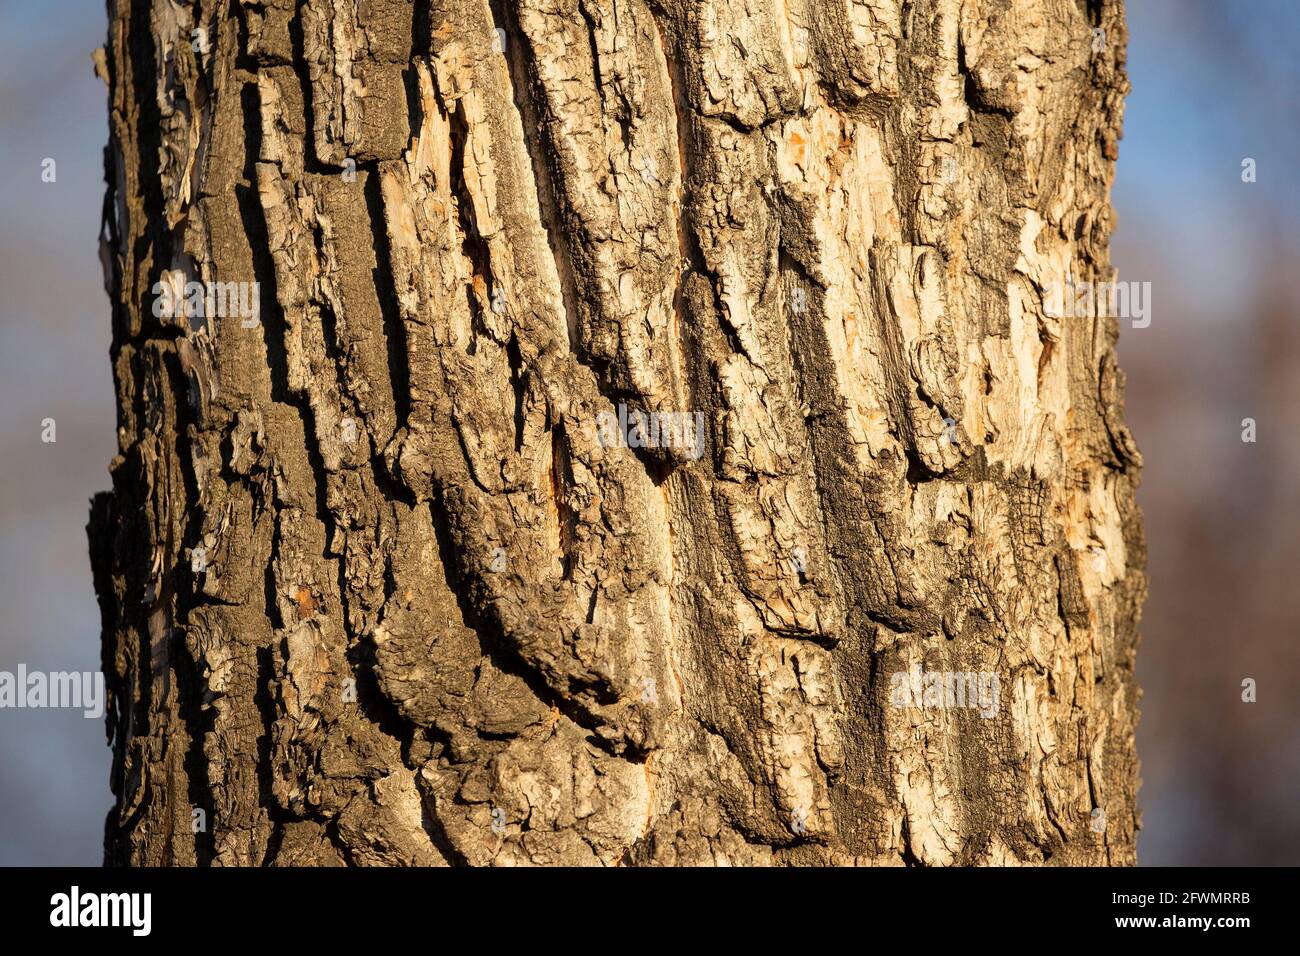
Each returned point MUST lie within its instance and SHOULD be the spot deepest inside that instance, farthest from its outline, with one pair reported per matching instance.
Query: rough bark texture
(437, 620)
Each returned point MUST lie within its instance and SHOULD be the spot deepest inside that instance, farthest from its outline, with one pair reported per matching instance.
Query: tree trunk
(385, 578)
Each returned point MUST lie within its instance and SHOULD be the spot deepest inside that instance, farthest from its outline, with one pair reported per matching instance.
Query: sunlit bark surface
(377, 587)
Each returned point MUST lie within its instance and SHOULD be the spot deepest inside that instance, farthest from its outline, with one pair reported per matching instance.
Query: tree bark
(376, 586)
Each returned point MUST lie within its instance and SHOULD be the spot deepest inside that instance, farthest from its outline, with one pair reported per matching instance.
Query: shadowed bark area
(379, 587)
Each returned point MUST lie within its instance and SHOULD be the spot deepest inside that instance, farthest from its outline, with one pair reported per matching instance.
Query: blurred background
(1214, 82)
